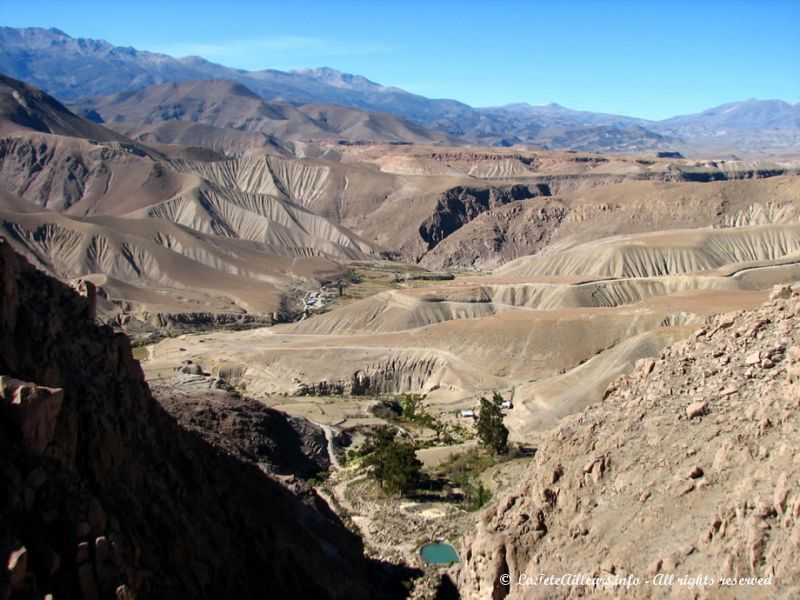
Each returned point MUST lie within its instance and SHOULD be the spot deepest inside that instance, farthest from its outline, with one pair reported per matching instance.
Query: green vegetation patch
(392, 463)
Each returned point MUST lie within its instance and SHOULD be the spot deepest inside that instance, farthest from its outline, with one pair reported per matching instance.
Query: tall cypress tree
(492, 433)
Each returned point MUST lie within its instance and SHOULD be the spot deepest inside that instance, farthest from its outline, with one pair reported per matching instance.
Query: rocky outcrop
(713, 171)
(688, 467)
(33, 410)
(104, 495)
(246, 428)
(460, 205)
(496, 236)
(400, 372)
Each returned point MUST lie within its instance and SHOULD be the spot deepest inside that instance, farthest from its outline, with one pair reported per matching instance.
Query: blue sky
(649, 59)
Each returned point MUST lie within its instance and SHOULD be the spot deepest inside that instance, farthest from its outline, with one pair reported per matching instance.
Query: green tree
(401, 470)
(492, 433)
(393, 464)
(413, 410)
(481, 496)
(379, 440)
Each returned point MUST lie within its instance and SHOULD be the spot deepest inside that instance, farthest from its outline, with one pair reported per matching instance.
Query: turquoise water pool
(438, 553)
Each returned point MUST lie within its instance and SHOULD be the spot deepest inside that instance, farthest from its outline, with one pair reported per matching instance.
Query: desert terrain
(294, 272)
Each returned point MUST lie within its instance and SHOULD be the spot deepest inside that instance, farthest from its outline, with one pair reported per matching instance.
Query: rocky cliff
(104, 495)
(460, 205)
(688, 467)
(244, 427)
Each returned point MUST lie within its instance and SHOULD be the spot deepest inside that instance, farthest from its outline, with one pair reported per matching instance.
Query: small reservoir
(439, 553)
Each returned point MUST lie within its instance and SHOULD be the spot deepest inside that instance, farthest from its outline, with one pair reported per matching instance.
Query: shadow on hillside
(447, 590)
(390, 581)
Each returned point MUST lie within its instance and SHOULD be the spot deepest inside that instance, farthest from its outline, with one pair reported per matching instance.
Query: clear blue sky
(644, 58)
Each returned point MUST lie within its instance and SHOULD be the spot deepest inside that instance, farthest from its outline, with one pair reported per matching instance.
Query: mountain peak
(40, 38)
(528, 107)
(319, 72)
(750, 114)
(337, 78)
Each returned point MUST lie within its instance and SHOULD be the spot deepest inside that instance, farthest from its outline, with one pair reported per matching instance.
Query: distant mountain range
(73, 69)
(186, 112)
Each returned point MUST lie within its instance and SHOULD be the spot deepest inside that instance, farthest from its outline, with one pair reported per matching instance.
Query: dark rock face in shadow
(390, 581)
(104, 494)
(248, 429)
(460, 205)
(447, 590)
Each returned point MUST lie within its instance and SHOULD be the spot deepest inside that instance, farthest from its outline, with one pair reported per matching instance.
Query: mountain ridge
(230, 105)
(77, 69)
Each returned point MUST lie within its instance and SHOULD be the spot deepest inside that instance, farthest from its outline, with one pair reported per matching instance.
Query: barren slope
(697, 449)
(25, 108)
(185, 244)
(665, 253)
(163, 267)
(443, 206)
(550, 341)
(459, 207)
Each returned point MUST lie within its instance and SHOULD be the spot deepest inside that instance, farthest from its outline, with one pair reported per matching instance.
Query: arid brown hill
(151, 114)
(160, 226)
(26, 108)
(688, 467)
(103, 495)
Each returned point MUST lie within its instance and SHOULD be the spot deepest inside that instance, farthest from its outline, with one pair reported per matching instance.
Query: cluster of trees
(351, 277)
(394, 463)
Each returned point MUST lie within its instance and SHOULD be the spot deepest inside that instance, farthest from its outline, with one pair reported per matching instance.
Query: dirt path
(331, 453)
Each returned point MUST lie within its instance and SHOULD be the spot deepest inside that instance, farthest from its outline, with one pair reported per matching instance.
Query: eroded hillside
(164, 244)
(686, 467)
(183, 234)
(552, 337)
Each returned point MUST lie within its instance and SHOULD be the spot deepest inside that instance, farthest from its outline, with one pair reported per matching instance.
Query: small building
(466, 413)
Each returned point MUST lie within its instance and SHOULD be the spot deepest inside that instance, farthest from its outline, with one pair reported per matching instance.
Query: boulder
(36, 409)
